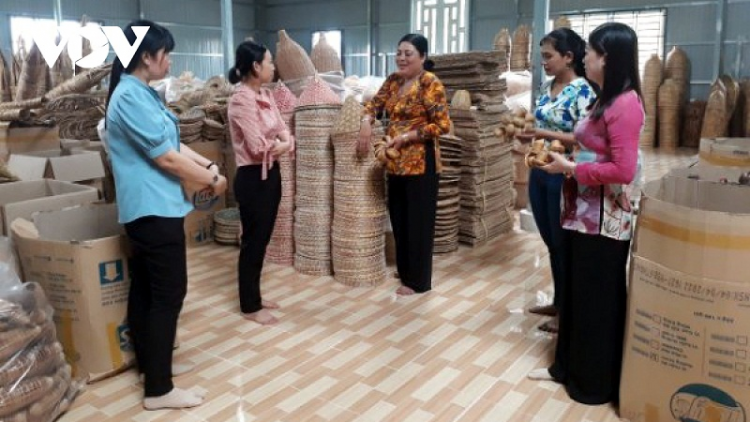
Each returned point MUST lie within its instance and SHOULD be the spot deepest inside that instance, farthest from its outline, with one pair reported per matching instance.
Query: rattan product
(227, 226)
(715, 117)
(14, 114)
(317, 110)
(357, 239)
(292, 61)
(476, 72)
(80, 124)
(32, 82)
(691, 124)
(281, 248)
(677, 66)
(324, 57)
(732, 88)
(81, 83)
(669, 115)
(502, 43)
(652, 79)
(519, 53)
(561, 22)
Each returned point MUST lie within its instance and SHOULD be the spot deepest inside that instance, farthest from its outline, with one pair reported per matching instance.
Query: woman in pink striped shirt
(259, 137)
(597, 219)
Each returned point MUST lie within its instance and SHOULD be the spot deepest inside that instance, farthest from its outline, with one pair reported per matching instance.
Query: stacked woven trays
(486, 184)
(227, 226)
(357, 238)
(281, 248)
(314, 117)
(449, 196)
(477, 72)
(191, 125)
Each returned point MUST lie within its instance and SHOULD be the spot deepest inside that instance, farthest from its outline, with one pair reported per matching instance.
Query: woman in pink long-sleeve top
(597, 219)
(259, 137)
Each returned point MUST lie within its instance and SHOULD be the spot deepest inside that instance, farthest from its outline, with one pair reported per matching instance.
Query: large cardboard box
(78, 166)
(687, 356)
(22, 199)
(199, 224)
(14, 139)
(79, 256)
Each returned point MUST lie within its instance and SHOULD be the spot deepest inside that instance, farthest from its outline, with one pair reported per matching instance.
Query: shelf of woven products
(317, 111)
(359, 210)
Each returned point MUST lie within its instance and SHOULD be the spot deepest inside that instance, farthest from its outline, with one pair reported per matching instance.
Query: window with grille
(444, 23)
(648, 24)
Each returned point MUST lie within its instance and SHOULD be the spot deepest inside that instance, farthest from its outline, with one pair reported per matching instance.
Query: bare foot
(175, 399)
(405, 291)
(270, 305)
(262, 317)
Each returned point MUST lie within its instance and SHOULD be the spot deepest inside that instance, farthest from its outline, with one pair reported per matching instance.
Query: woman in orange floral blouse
(414, 101)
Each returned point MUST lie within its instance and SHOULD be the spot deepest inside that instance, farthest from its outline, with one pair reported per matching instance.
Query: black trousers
(588, 359)
(258, 201)
(159, 284)
(412, 204)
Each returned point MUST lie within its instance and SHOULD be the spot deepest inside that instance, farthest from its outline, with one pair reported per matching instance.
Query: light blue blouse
(561, 113)
(139, 130)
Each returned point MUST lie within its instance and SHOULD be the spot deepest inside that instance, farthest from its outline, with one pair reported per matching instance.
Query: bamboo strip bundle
(14, 114)
(30, 104)
(82, 82)
(75, 102)
(32, 82)
(62, 70)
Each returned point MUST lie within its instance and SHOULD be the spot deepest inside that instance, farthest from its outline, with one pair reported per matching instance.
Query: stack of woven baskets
(519, 54)
(295, 67)
(227, 226)
(358, 242)
(191, 125)
(652, 78)
(317, 110)
(281, 248)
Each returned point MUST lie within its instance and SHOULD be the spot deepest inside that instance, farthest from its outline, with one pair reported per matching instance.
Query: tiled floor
(458, 353)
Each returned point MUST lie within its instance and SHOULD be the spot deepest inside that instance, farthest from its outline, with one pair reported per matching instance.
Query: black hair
(248, 52)
(564, 41)
(620, 44)
(422, 46)
(157, 38)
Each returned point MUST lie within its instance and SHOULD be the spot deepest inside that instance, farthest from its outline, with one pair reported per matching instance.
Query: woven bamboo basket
(715, 117)
(32, 81)
(677, 68)
(691, 124)
(324, 57)
(669, 115)
(502, 43)
(292, 61)
(521, 47)
(561, 22)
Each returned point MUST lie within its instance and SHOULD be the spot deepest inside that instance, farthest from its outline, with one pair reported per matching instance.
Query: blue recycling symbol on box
(111, 272)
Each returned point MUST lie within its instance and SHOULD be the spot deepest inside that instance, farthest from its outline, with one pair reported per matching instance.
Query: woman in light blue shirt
(150, 165)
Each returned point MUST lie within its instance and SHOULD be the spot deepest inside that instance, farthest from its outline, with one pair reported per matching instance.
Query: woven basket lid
(292, 60)
(318, 93)
(285, 99)
(324, 57)
(349, 119)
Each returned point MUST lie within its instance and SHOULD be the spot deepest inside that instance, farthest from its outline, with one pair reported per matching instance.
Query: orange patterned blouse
(423, 108)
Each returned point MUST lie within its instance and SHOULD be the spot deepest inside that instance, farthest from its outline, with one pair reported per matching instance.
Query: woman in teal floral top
(561, 105)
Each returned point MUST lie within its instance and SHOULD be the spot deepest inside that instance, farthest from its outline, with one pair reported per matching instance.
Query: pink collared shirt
(255, 123)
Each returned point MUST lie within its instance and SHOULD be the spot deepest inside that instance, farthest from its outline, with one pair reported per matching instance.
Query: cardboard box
(14, 140)
(78, 166)
(79, 256)
(686, 343)
(22, 199)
